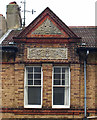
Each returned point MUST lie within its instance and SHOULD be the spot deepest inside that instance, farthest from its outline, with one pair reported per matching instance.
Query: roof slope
(88, 35)
(9, 38)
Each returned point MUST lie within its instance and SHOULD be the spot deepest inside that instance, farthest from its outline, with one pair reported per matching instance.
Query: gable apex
(47, 17)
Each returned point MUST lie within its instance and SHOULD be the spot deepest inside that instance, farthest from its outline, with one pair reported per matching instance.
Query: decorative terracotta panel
(47, 53)
(47, 27)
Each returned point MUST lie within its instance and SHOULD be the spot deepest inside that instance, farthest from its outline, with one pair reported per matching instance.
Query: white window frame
(60, 106)
(25, 90)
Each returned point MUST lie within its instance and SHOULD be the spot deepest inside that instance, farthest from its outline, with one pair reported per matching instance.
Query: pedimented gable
(46, 25)
(47, 28)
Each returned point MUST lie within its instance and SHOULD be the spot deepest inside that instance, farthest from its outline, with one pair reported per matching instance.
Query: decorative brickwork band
(46, 112)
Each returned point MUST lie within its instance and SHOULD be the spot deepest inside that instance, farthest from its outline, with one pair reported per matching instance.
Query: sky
(71, 12)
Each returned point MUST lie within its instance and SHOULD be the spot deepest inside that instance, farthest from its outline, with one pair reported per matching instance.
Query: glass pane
(63, 70)
(57, 76)
(34, 96)
(30, 69)
(37, 69)
(63, 76)
(56, 82)
(37, 76)
(63, 82)
(37, 82)
(30, 76)
(57, 70)
(30, 82)
(58, 96)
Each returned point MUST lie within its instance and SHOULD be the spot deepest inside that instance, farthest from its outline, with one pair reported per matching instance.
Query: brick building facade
(43, 70)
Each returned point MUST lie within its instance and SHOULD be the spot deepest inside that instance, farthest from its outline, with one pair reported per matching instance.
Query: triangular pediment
(47, 25)
(47, 28)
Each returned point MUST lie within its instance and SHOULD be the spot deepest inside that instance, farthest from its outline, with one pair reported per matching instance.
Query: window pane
(56, 82)
(57, 70)
(63, 70)
(37, 69)
(30, 82)
(63, 82)
(37, 76)
(57, 76)
(34, 95)
(30, 69)
(63, 76)
(37, 82)
(30, 76)
(58, 96)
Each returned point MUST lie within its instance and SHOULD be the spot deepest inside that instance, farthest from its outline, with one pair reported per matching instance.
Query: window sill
(61, 106)
(32, 106)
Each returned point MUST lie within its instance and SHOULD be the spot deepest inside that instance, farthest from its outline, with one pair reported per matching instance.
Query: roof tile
(88, 35)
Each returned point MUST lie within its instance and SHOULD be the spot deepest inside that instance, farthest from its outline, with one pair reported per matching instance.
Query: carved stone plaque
(47, 53)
